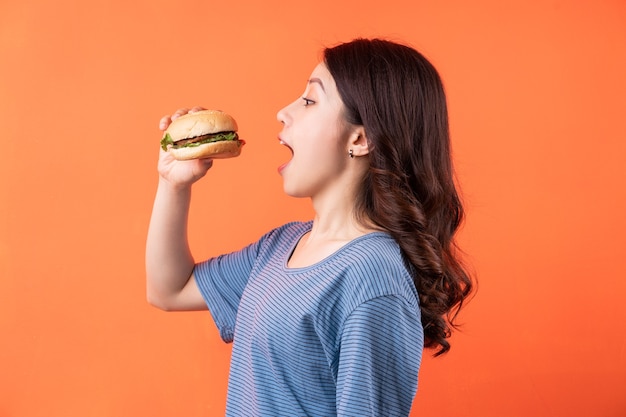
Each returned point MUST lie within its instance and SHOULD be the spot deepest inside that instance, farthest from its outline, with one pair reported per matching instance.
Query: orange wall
(537, 99)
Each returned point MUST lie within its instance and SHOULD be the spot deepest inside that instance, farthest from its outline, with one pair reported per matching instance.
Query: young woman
(330, 317)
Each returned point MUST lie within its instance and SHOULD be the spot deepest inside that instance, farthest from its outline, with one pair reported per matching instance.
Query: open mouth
(283, 166)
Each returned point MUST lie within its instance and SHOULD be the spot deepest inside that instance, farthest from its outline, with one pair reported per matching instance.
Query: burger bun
(204, 122)
(215, 150)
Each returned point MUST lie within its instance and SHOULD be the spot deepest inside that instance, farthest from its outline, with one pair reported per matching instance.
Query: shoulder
(280, 239)
(293, 228)
(377, 255)
(375, 267)
(286, 233)
(380, 249)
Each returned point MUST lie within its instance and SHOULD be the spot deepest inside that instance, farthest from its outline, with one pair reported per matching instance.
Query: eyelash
(307, 102)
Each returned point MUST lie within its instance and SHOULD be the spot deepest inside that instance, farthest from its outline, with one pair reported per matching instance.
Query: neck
(336, 218)
(335, 205)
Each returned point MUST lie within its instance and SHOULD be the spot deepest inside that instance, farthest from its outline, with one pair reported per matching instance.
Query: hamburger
(202, 134)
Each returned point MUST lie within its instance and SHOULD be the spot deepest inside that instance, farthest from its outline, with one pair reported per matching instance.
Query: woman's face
(315, 130)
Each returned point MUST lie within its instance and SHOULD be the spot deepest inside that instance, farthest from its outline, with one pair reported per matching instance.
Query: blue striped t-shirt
(342, 337)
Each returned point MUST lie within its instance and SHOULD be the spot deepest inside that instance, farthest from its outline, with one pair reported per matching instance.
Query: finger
(165, 122)
(179, 113)
(197, 108)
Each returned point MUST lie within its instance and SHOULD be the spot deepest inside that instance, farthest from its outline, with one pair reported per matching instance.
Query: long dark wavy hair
(397, 95)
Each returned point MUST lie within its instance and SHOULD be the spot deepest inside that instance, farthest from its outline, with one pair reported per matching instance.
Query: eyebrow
(318, 81)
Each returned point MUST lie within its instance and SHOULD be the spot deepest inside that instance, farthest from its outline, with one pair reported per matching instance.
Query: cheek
(323, 147)
(325, 157)
(324, 135)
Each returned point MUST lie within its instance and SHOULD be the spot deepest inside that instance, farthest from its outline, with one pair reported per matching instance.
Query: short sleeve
(221, 281)
(381, 350)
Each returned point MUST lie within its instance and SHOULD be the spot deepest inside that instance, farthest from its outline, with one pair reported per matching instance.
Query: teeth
(281, 142)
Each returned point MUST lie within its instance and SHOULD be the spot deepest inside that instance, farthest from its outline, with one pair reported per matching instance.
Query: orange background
(537, 103)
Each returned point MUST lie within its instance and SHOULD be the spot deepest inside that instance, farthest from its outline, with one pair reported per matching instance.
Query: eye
(307, 102)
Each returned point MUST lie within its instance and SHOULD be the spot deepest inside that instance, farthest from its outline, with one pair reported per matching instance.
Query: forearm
(169, 262)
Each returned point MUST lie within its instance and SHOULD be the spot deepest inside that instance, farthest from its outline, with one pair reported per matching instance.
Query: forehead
(323, 78)
(320, 70)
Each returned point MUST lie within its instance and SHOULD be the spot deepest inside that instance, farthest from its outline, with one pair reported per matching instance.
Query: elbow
(157, 301)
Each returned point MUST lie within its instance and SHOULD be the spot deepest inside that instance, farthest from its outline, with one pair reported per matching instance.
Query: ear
(358, 142)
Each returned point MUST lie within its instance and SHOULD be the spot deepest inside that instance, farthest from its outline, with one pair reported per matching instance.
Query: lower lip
(282, 167)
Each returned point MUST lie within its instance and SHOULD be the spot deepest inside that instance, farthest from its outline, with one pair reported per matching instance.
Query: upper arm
(188, 298)
(381, 351)
(213, 281)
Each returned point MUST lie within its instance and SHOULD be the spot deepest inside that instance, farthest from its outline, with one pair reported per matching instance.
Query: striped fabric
(340, 338)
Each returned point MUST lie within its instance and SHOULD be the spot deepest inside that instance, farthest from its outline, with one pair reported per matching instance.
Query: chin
(295, 194)
(295, 191)
(299, 185)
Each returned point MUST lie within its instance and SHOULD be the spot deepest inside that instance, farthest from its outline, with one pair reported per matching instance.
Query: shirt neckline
(328, 258)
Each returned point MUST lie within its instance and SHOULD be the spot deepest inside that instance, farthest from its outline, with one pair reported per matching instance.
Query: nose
(283, 115)
(280, 116)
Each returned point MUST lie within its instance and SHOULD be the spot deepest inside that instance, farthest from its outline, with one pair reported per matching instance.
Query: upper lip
(283, 142)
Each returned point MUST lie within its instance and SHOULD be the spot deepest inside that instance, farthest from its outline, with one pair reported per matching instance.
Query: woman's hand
(180, 173)
(167, 120)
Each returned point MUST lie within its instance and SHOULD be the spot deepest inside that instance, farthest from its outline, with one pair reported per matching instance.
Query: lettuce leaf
(167, 140)
(216, 137)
